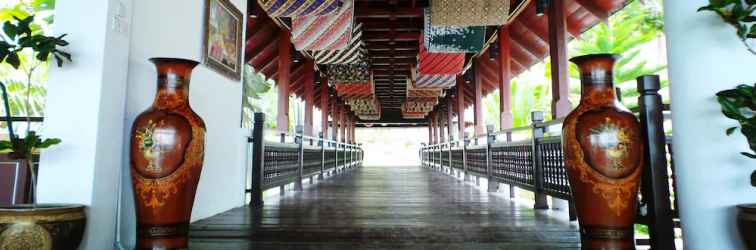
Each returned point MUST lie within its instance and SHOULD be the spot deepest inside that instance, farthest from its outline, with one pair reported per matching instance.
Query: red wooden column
(461, 107)
(434, 139)
(348, 128)
(309, 96)
(560, 85)
(342, 123)
(284, 72)
(324, 106)
(441, 126)
(334, 120)
(505, 79)
(480, 127)
(449, 117)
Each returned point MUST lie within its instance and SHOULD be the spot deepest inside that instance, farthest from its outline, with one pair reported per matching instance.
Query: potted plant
(739, 103)
(33, 226)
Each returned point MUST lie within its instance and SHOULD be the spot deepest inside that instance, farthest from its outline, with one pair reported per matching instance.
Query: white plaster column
(86, 109)
(705, 57)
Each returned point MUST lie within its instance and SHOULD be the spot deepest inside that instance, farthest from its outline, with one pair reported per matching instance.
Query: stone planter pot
(747, 224)
(46, 227)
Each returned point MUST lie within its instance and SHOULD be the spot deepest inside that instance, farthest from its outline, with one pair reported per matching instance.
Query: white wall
(705, 56)
(85, 108)
(93, 101)
(173, 28)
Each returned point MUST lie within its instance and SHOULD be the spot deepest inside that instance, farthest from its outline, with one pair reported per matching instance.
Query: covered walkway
(387, 207)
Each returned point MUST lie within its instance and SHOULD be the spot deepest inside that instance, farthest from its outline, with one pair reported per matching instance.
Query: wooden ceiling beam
(594, 9)
(374, 12)
(383, 37)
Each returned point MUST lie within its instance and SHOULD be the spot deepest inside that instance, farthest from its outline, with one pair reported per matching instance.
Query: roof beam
(594, 9)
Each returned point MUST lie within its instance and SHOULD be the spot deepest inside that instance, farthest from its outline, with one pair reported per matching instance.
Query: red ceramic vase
(166, 154)
(603, 155)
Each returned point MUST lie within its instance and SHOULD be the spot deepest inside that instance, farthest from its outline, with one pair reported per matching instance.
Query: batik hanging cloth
(350, 73)
(422, 92)
(452, 38)
(356, 90)
(439, 63)
(354, 53)
(299, 8)
(469, 12)
(327, 32)
(434, 81)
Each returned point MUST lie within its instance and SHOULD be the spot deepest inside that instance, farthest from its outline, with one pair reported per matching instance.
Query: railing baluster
(655, 176)
(258, 149)
(299, 140)
(466, 141)
(538, 176)
(322, 155)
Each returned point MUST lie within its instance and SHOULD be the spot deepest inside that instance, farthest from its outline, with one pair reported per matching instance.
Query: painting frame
(220, 58)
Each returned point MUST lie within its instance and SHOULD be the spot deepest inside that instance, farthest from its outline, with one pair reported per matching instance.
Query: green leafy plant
(19, 36)
(740, 104)
(739, 14)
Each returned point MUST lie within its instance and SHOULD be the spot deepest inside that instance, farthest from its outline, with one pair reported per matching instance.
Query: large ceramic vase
(166, 153)
(603, 154)
(41, 227)
(747, 224)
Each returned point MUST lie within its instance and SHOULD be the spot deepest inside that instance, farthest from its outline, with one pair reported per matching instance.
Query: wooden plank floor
(386, 208)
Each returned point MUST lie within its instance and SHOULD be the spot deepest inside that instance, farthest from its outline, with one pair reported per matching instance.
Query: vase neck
(172, 82)
(597, 90)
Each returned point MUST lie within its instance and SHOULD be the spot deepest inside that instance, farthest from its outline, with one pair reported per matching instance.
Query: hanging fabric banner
(422, 92)
(349, 73)
(354, 53)
(452, 38)
(297, 8)
(356, 90)
(469, 12)
(328, 32)
(439, 81)
(439, 63)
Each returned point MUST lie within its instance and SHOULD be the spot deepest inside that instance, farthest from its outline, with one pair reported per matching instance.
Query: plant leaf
(731, 130)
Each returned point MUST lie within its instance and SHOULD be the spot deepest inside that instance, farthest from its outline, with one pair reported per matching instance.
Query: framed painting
(222, 38)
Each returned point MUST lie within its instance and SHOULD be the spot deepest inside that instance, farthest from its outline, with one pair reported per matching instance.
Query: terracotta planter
(166, 154)
(46, 227)
(603, 156)
(747, 224)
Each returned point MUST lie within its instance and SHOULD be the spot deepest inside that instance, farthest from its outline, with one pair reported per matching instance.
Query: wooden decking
(386, 208)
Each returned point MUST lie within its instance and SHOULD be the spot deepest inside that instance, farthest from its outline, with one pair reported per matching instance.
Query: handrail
(537, 164)
(276, 164)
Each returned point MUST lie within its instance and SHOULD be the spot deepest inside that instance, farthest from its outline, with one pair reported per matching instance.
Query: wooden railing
(293, 158)
(536, 164)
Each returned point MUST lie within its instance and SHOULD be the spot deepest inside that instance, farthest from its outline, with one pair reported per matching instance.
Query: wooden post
(334, 120)
(480, 128)
(258, 149)
(324, 107)
(432, 117)
(342, 123)
(450, 117)
(309, 96)
(430, 130)
(461, 107)
(322, 155)
(560, 85)
(441, 126)
(538, 133)
(284, 71)
(505, 79)
(493, 186)
(465, 142)
(299, 139)
(655, 176)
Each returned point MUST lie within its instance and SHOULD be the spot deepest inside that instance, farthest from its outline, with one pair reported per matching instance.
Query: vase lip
(583, 58)
(157, 60)
(41, 207)
(748, 207)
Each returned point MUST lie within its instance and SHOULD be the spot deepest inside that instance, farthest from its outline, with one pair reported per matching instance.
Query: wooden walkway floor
(386, 208)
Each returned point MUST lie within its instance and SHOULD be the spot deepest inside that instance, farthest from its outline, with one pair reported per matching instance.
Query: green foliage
(740, 104)
(739, 14)
(628, 29)
(18, 35)
(258, 97)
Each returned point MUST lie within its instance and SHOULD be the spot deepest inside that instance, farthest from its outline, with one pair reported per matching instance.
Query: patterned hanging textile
(469, 12)
(452, 38)
(350, 73)
(356, 90)
(328, 32)
(422, 92)
(354, 53)
(439, 63)
(433, 81)
(298, 8)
